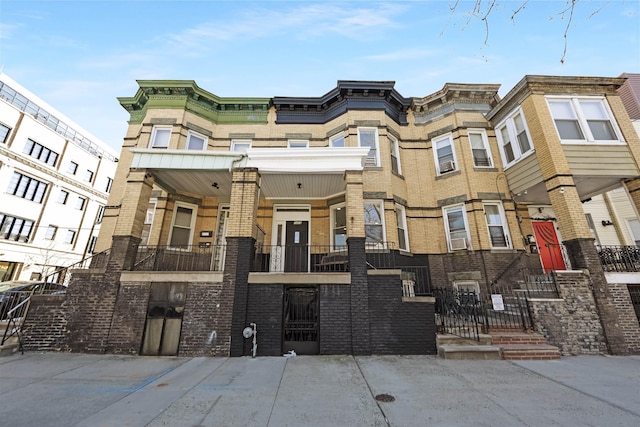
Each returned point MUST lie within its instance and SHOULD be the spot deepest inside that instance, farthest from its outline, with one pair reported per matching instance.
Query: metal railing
(416, 281)
(538, 284)
(180, 258)
(458, 312)
(301, 258)
(619, 258)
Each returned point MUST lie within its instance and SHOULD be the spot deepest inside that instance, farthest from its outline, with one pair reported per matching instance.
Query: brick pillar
(128, 230)
(360, 331)
(239, 256)
(584, 256)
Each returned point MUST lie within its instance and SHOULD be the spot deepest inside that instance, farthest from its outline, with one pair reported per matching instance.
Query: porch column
(241, 238)
(360, 331)
(633, 189)
(128, 230)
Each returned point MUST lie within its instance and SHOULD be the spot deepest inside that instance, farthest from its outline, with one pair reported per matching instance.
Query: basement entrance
(300, 323)
(164, 319)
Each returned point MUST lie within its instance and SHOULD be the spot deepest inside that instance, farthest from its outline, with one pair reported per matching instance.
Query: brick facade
(45, 328)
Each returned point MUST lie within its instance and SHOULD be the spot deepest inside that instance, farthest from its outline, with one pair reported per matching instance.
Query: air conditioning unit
(447, 166)
(458, 244)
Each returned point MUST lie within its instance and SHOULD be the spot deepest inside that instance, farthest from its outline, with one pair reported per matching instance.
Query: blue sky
(80, 55)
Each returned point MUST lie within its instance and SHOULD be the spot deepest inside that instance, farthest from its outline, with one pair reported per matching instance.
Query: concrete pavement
(57, 389)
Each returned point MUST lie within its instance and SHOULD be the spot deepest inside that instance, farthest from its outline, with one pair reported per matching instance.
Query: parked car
(13, 292)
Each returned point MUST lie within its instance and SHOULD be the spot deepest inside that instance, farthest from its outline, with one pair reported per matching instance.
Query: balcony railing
(180, 258)
(301, 258)
(619, 258)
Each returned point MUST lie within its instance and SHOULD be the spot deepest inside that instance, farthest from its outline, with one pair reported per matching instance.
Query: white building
(54, 182)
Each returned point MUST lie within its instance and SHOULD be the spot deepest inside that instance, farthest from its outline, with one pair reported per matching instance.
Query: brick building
(325, 222)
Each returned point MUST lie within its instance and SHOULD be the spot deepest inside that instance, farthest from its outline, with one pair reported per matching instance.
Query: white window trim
(395, 148)
(445, 220)
(297, 143)
(153, 136)
(485, 142)
(236, 142)
(380, 204)
(513, 134)
(338, 135)
(434, 143)
(332, 218)
(503, 222)
(205, 141)
(582, 120)
(73, 235)
(192, 225)
(405, 227)
(376, 142)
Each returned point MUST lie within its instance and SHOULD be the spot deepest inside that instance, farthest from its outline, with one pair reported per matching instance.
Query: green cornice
(186, 95)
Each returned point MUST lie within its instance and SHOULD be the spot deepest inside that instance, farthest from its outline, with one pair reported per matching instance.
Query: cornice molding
(186, 95)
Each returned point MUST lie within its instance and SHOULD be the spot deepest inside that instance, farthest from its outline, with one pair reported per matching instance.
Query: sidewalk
(56, 389)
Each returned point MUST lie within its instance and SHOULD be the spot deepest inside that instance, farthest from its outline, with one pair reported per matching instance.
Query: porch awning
(298, 173)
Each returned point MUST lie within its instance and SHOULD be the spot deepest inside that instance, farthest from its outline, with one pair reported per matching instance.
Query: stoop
(505, 345)
(457, 348)
(11, 346)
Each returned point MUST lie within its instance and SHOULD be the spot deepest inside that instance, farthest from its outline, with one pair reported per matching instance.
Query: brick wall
(360, 339)
(627, 319)
(205, 324)
(130, 312)
(264, 308)
(399, 327)
(335, 319)
(235, 291)
(572, 322)
(45, 328)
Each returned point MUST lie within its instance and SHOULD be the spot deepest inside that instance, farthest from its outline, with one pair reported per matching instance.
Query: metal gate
(300, 320)
(458, 312)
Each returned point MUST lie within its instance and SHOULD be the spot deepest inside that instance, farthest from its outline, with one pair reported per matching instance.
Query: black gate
(300, 323)
(164, 320)
(458, 312)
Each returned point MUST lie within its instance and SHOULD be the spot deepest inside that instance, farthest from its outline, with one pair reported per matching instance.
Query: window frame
(503, 224)
(27, 187)
(40, 152)
(4, 132)
(109, 185)
(73, 167)
(191, 228)
(485, 144)
(447, 226)
(402, 229)
(509, 124)
(70, 237)
(298, 143)
(8, 225)
(332, 227)
(583, 121)
(154, 136)
(336, 137)
(81, 203)
(65, 198)
(88, 176)
(191, 134)
(380, 204)
(236, 143)
(436, 158)
(394, 152)
(50, 233)
(375, 149)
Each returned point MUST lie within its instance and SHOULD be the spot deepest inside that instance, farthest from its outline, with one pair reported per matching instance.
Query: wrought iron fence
(380, 255)
(180, 258)
(458, 312)
(538, 284)
(619, 258)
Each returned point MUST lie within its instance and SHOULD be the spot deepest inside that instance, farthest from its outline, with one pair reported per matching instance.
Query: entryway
(290, 238)
(300, 320)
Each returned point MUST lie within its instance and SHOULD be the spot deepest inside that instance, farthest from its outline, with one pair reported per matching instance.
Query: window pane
(523, 140)
(373, 223)
(195, 143)
(593, 110)
(455, 219)
(367, 138)
(492, 214)
(498, 238)
(601, 130)
(444, 150)
(183, 217)
(569, 129)
(337, 141)
(4, 131)
(562, 110)
(180, 236)
(161, 138)
(506, 145)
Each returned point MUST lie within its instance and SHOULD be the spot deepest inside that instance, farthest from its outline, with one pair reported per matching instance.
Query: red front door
(548, 246)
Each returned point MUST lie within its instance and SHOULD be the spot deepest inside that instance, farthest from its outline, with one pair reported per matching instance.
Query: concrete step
(529, 352)
(469, 352)
(9, 347)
